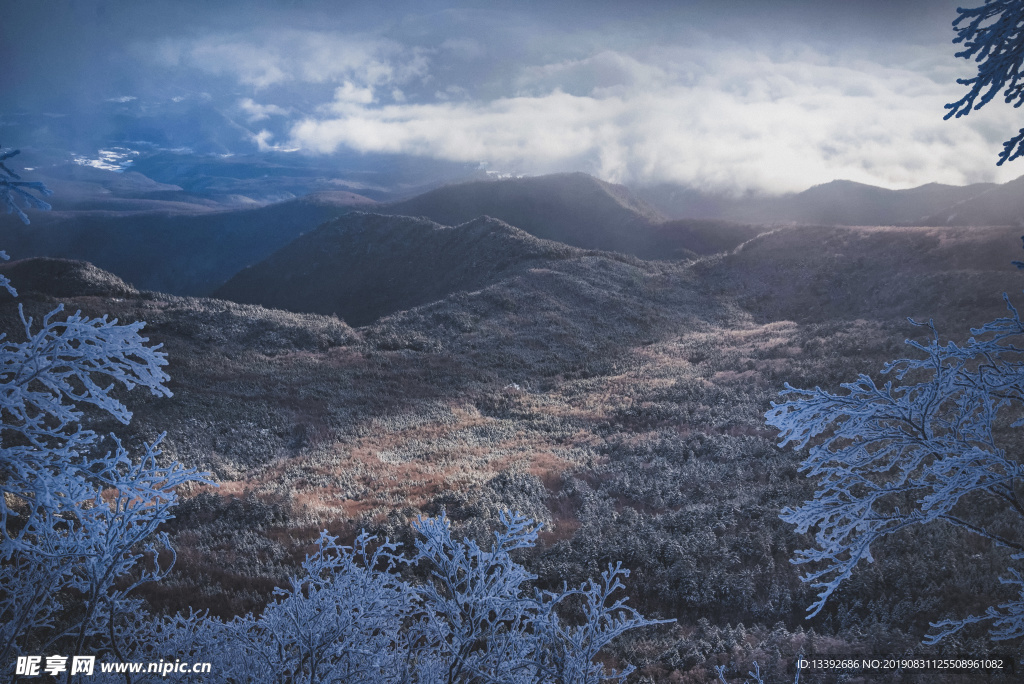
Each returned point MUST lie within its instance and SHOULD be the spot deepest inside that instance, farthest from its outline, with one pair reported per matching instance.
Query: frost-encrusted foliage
(14, 191)
(930, 445)
(352, 617)
(78, 514)
(993, 36)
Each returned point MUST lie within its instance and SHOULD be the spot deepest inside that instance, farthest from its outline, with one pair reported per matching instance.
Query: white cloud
(349, 93)
(704, 112)
(464, 48)
(736, 119)
(262, 140)
(250, 63)
(259, 112)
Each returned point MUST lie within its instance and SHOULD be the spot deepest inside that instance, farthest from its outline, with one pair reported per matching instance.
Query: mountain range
(186, 247)
(362, 266)
(160, 236)
(854, 204)
(172, 249)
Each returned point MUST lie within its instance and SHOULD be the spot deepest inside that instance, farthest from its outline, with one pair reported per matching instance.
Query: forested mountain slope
(620, 401)
(364, 266)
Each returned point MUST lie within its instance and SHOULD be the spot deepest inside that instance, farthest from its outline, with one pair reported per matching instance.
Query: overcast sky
(719, 95)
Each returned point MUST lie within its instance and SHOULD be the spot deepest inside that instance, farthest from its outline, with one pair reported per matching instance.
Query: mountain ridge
(192, 249)
(363, 266)
(573, 208)
(998, 205)
(579, 210)
(837, 202)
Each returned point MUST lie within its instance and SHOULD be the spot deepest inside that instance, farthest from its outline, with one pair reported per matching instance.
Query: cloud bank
(715, 94)
(737, 120)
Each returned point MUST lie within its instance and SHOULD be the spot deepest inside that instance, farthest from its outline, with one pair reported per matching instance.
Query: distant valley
(557, 345)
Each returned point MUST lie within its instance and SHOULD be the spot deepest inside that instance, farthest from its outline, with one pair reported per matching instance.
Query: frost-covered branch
(1007, 619)
(45, 453)
(993, 36)
(912, 451)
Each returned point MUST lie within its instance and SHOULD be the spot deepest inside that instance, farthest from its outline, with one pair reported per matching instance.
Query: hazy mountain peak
(841, 183)
(992, 205)
(574, 208)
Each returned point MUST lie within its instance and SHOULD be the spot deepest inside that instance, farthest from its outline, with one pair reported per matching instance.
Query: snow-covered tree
(77, 512)
(483, 623)
(13, 191)
(993, 36)
(932, 445)
(352, 617)
(349, 617)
